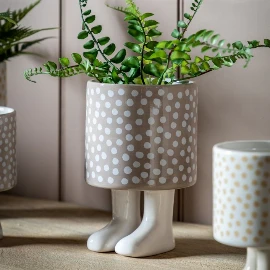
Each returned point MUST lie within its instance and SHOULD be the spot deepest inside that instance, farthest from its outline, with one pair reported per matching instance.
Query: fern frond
(133, 8)
(7, 17)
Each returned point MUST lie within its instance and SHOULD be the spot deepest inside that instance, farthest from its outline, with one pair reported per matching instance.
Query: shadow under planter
(140, 138)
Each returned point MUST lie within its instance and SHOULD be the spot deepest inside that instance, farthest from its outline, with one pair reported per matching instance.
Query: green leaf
(90, 19)
(103, 41)
(136, 27)
(110, 49)
(64, 62)
(221, 43)
(151, 45)
(150, 23)
(176, 33)
(146, 15)
(89, 45)
(115, 76)
(179, 55)
(182, 24)
(194, 68)
(119, 57)
(83, 35)
(134, 47)
(154, 33)
(137, 35)
(160, 45)
(52, 65)
(91, 55)
(97, 29)
(205, 48)
(159, 54)
(205, 66)
(217, 62)
(77, 58)
(188, 16)
(87, 12)
(207, 35)
(198, 59)
(238, 45)
(185, 70)
(152, 69)
(214, 39)
(267, 42)
(125, 69)
(132, 62)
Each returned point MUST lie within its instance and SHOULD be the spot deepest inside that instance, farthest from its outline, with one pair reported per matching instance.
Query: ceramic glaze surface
(8, 165)
(3, 89)
(241, 179)
(141, 137)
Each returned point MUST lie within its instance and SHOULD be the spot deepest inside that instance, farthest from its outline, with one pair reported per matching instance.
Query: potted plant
(12, 41)
(141, 120)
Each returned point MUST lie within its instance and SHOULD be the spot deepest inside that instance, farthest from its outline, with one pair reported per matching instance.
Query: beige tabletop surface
(50, 235)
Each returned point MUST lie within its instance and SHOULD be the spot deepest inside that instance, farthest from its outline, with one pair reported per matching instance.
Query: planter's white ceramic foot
(1, 232)
(258, 259)
(154, 235)
(126, 218)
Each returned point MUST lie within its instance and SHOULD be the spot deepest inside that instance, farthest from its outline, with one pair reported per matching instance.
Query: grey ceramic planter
(8, 164)
(141, 137)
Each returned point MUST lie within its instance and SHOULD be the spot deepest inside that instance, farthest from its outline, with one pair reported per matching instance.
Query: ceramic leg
(251, 259)
(125, 219)
(154, 235)
(258, 259)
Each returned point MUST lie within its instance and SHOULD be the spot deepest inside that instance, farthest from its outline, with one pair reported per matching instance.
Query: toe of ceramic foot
(125, 248)
(96, 243)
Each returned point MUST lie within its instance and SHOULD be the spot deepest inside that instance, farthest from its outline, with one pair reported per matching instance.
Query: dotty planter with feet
(8, 164)
(140, 138)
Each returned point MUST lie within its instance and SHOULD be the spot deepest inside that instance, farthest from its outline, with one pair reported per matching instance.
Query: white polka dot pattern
(135, 137)
(3, 89)
(8, 165)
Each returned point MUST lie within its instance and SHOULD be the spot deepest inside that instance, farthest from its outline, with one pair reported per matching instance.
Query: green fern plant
(12, 35)
(156, 62)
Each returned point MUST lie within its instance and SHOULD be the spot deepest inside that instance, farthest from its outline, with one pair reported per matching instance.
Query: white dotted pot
(8, 164)
(241, 179)
(141, 137)
(3, 87)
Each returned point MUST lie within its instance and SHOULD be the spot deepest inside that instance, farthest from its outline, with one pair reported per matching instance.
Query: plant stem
(96, 42)
(165, 70)
(142, 54)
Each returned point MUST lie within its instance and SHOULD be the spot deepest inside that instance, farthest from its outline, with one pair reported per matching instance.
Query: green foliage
(12, 35)
(155, 61)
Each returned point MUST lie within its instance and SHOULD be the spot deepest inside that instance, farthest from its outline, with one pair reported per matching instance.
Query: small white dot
(130, 148)
(177, 105)
(178, 133)
(144, 101)
(175, 143)
(134, 93)
(115, 171)
(108, 105)
(140, 111)
(175, 179)
(110, 180)
(155, 111)
(118, 131)
(118, 103)
(109, 120)
(106, 168)
(115, 161)
(125, 157)
(161, 150)
(182, 153)
(169, 171)
(160, 129)
(138, 122)
(129, 137)
(149, 93)
(163, 119)
(180, 95)
(119, 142)
(187, 159)
(127, 113)
(170, 152)
(138, 137)
(174, 161)
(147, 145)
(139, 154)
(151, 182)
(151, 121)
(168, 108)
(190, 179)
(136, 164)
(144, 174)
(184, 177)
(107, 131)
(149, 133)
(128, 127)
(156, 171)
(102, 97)
(187, 92)
(168, 135)
(173, 125)
(163, 162)
(124, 181)
(187, 106)
(109, 143)
(127, 170)
(161, 92)
(110, 93)
(121, 92)
(135, 180)
(162, 180)
(150, 156)
(181, 168)
(130, 102)
(184, 124)
(147, 166)
(184, 141)
(170, 96)
(114, 151)
(157, 140)
(175, 115)
(157, 102)
(189, 170)
(186, 116)
(114, 111)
